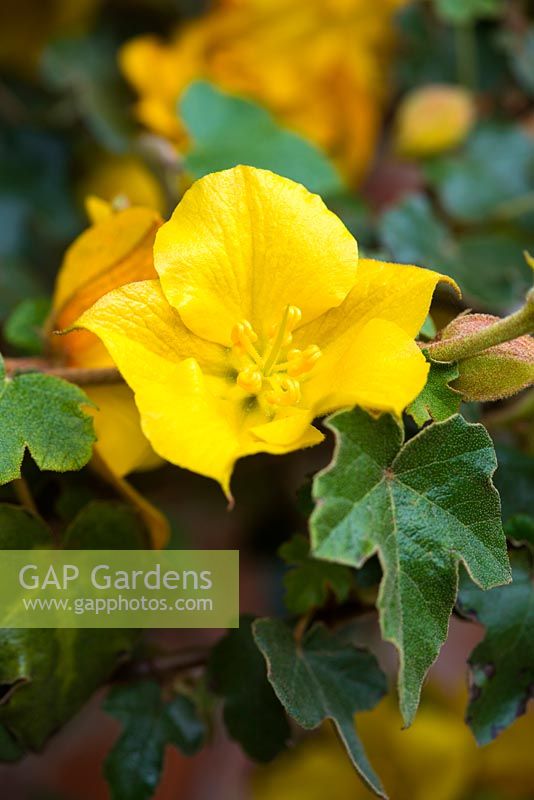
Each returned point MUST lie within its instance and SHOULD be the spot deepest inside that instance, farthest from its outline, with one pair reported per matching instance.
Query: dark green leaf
(520, 529)
(423, 506)
(437, 400)
(105, 526)
(488, 266)
(43, 414)
(23, 328)
(133, 767)
(502, 665)
(228, 130)
(514, 480)
(321, 678)
(496, 166)
(49, 674)
(252, 712)
(308, 584)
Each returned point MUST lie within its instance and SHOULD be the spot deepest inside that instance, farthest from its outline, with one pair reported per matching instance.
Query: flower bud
(433, 119)
(498, 372)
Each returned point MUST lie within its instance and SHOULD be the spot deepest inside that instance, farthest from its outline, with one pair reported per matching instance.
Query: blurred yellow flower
(433, 119)
(320, 65)
(262, 319)
(116, 249)
(111, 176)
(436, 757)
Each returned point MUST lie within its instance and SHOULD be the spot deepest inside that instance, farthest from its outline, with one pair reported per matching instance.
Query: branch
(78, 375)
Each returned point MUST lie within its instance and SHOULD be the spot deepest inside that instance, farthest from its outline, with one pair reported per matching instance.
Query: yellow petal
(151, 346)
(116, 250)
(120, 440)
(184, 412)
(244, 244)
(379, 367)
(399, 293)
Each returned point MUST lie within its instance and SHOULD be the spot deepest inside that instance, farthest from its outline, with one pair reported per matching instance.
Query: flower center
(273, 371)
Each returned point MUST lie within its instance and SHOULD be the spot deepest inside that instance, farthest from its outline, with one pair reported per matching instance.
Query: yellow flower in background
(116, 249)
(320, 65)
(110, 176)
(436, 757)
(433, 119)
(262, 319)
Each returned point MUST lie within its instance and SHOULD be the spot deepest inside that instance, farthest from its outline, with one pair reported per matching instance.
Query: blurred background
(415, 122)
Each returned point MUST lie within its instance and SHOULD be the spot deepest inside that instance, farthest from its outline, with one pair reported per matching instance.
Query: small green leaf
(252, 713)
(436, 400)
(308, 584)
(43, 414)
(133, 767)
(423, 506)
(428, 329)
(228, 130)
(321, 677)
(502, 665)
(23, 327)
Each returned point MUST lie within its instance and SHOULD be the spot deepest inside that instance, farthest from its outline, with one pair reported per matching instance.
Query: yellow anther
(285, 392)
(250, 379)
(294, 316)
(243, 334)
(301, 361)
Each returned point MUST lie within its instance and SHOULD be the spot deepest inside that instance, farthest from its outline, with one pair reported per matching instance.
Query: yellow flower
(437, 757)
(433, 119)
(261, 320)
(320, 65)
(116, 249)
(112, 176)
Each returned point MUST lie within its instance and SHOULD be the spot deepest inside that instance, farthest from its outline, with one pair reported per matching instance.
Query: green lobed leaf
(423, 506)
(47, 675)
(228, 130)
(310, 581)
(24, 325)
(487, 265)
(502, 665)
(252, 712)
(133, 767)
(436, 400)
(43, 414)
(321, 677)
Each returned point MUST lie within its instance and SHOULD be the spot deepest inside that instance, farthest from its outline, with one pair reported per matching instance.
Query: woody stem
(78, 375)
(517, 324)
